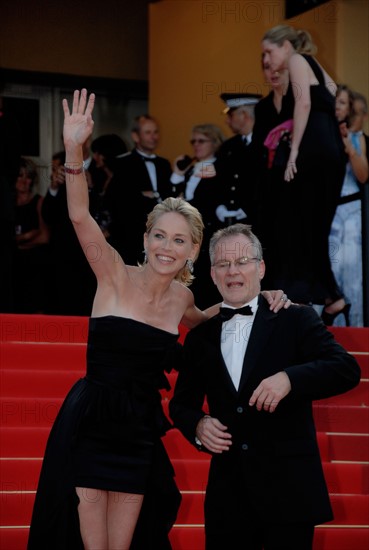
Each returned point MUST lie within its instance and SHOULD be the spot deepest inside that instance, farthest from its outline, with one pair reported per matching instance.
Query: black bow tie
(149, 159)
(227, 313)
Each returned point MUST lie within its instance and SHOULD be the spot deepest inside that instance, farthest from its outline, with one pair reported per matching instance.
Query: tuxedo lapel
(261, 330)
(141, 177)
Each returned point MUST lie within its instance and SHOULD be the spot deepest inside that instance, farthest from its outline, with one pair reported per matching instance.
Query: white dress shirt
(234, 339)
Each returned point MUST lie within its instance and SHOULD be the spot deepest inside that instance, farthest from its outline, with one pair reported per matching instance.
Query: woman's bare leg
(123, 512)
(92, 510)
(107, 519)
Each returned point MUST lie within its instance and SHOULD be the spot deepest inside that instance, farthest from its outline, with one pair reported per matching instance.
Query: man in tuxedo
(237, 159)
(141, 180)
(258, 374)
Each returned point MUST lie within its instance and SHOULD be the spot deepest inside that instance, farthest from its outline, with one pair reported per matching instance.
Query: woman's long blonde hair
(301, 40)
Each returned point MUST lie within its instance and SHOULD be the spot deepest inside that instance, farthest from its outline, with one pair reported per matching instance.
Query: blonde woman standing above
(313, 175)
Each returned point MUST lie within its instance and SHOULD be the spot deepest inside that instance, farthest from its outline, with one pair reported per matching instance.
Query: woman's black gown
(296, 233)
(107, 436)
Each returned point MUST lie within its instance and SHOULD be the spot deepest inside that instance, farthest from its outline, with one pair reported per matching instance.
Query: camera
(184, 163)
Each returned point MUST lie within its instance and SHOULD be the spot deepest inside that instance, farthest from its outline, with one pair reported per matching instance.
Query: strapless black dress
(107, 436)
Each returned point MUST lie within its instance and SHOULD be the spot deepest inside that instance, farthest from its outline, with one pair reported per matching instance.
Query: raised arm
(78, 126)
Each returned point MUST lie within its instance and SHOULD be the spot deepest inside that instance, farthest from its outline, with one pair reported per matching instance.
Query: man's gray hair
(230, 231)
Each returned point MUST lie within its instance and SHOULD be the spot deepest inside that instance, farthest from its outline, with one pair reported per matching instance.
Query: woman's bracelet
(75, 171)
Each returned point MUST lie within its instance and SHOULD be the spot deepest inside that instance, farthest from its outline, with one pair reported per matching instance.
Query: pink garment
(275, 135)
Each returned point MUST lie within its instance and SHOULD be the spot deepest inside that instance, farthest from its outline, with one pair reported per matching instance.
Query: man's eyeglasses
(239, 262)
(199, 140)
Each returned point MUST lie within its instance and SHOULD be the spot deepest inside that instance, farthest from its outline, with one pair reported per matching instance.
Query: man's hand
(271, 391)
(213, 435)
(276, 299)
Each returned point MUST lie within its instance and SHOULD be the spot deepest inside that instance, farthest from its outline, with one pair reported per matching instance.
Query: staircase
(42, 356)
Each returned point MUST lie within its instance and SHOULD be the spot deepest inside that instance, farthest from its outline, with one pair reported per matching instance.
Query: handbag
(278, 143)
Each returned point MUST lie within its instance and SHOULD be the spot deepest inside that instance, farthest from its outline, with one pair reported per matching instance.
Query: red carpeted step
(363, 359)
(343, 538)
(352, 338)
(39, 356)
(14, 538)
(19, 474)
(16, 507)
(40, 383)
(43, 328)
(347, 478)
(23, 442)
(341, 418)
(350, 510)
(191, 474)
(191, 510)
(358, 396)
(188, 537)
(348, 447)
(29, 411)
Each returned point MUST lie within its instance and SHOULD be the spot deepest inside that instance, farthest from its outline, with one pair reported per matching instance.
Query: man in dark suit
(237, 158)
(141, 180)
(259, 373)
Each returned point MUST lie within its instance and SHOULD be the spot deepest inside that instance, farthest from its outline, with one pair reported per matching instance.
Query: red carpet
(42, 356)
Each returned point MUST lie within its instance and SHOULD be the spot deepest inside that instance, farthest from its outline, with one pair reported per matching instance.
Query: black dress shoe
(328, 318)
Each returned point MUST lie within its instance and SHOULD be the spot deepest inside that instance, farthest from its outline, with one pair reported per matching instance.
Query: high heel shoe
(328, 318)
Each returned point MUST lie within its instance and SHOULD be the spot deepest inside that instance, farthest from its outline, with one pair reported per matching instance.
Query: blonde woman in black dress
(314, 172)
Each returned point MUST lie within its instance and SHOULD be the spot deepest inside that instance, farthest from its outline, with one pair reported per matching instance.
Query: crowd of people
(252, 363)
(294, 170)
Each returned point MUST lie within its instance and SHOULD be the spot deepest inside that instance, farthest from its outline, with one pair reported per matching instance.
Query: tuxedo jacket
(128, 206)
(274, 458)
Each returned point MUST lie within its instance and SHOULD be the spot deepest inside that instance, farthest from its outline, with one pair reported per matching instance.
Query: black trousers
(250, 536)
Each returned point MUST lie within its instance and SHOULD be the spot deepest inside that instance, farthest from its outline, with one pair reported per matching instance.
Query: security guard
(237, 160)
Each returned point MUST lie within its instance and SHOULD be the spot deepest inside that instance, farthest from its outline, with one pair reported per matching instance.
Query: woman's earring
(145, 256)
(189, 265)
